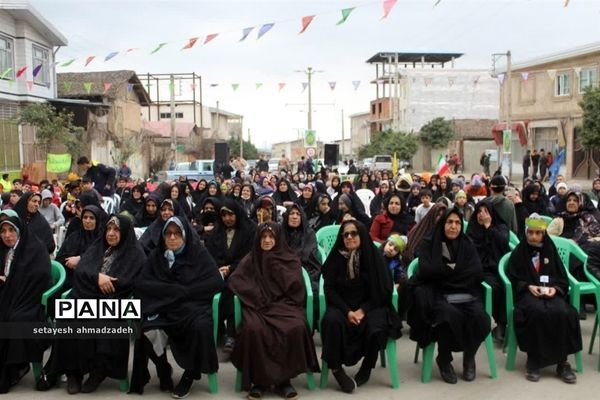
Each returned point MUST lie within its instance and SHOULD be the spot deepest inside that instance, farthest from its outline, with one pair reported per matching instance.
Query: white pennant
(501, 78)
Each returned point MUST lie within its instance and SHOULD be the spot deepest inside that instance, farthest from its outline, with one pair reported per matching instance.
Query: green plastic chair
(57, 279)
(390, 348)
(326, 237)
(565, 248)
(513, 240)
(309, 318)
(546, 218)
(427, 366)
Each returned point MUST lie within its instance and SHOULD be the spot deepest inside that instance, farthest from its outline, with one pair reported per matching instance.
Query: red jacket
(381, 227)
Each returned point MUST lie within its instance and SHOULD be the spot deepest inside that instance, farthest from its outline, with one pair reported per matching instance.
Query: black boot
(447, 371)
(469, 367)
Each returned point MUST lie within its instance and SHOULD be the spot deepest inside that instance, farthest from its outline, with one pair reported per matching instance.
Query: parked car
(192, 170)
(274, 164)
(382, 162)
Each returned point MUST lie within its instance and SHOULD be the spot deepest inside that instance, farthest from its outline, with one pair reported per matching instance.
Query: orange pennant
(89, 60)
(191, 43)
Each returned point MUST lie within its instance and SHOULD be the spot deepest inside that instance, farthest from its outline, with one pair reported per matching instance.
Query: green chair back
(326, 238)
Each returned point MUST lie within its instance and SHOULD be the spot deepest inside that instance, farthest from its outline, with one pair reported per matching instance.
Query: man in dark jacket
(102, 176)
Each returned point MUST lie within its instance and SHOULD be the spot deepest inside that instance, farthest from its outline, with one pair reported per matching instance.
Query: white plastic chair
(366, 195)
(280, 211)
(108, 204)
(139, 232)
(117, 201)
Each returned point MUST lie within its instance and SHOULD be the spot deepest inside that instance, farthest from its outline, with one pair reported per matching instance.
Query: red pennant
(107, 86)
(281, 86)
(193, 86)
(191, 43)
(21, 71)
(89, 60)
(387, 7)
(210, 37)
(306, 22)
(30, 85)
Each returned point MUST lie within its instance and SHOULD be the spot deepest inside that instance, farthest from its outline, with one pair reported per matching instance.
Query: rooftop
(574, 52)
(427, 58)
(23, 11)
(163, 128)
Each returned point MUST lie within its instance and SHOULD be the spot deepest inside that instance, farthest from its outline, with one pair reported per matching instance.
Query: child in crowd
(465, 208)
(391, 251)
(425, 205)
(414, 198)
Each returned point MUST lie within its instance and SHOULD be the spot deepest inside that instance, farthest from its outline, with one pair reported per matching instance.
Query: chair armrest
(322, 304)
(411, 267)
(507, 287)
(488, 297)
(54, 288)
(309, 298)
(215, 315)
(66, 294)
(395, 298)
(237, 311)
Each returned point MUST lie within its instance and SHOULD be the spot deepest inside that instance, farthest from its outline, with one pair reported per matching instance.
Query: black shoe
(499, 332)
(447, 372)
(564, 371)
(533, 375)
(256, 392)
(73, 384)
(286, 391)
(469, 368)
(183, 388)
(346, 383)
(362, 376)
(92, 383)
(228, 344)
(45, 382)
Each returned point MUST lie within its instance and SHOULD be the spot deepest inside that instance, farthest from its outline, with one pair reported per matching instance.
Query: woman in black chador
(547, 327)
(360, 317)
(24, 276)
(106, 271)
(176, 288)
(27, 207)
(445, 303)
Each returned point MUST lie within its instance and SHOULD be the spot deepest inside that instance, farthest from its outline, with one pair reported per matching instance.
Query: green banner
(310, 138)
(58, 163)
(506, 141)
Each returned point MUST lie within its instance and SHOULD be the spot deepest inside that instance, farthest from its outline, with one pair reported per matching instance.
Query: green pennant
(345, 14)
(67, 63)
(160, 46)
(235, 86)
(67, 86)
(258, 86)
(5, 73)
(88, 87)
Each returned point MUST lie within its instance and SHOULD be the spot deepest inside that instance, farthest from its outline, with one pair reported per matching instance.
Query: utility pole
(309, 73)
(343, 143)
(242, 138)
(173, 129)
(508, 107)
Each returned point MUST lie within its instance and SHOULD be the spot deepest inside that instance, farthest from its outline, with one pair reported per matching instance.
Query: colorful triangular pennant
(160, 46)
(304, 86)
(525, 76)
(67, 63)
(67, 86)
(245, 33)
(21, 71)
(356, 84)
(190, 44)
(210, 37)
(5, 73)
(29, 85)
(387, 7)
(345, 14)
(258, 86)
(235, 86)
(110, 55)
(193, 87)
(501, 78)
(129, 87)
(281, 86)
(107, 86)
(88, 87)
(89, 60)
(37, 70)
(332, 85)
(264, 29)
(306, 22)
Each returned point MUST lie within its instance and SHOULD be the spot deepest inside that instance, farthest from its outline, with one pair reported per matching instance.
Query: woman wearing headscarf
(198, 193)
(348, 208)
(106, 270)
(265, 210)
(149, 212)
(364, 181)
(86, 198)
(579, 223)
(247, 198)
(322, 214)
(24, 276)
(360, 317)
(186, 201)
(334, 188)
(152, 235)
(305, 200)
(284, 195)
(393, 220)
(302, 239)
(535, 199)
(444, 189)
(228, 244)
(376, 206)
(423, 229)
(134, 204)
(490, 235)
(274, 344)
(176, 288)
(445, 304)
(69, 254)
(27, 208)
(213, 189)
(547, 327)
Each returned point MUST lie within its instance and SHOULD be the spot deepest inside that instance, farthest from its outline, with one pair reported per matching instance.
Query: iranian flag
(442, 166)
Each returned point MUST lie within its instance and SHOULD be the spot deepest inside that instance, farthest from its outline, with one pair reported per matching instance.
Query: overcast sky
(478, 28)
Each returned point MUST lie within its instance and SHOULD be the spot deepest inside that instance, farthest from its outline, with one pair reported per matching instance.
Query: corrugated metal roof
(70, 84)
(413, 57)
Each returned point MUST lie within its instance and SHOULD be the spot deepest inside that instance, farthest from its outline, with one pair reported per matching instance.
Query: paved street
(508, 385)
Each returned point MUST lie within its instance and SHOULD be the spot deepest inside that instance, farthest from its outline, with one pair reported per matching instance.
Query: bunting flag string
(306, 22)
(214, 84)
(160, 46)
(111, 55)
(387, 7)
(345, 14)
(245, 33)
(190, 44)
(210, 37)
(107, 86)
(47, 84)
(131, 49)
(332, 85)
(356, 84)
(437, 2)
(37, 70)
(21, 71)
(89, 60)
(281, 85)
(88, 87)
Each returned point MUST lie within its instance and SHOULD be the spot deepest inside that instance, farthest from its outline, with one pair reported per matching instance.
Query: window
(562, 84)
(41, 57)
(588, 77)
(168, 115)
(6, 57)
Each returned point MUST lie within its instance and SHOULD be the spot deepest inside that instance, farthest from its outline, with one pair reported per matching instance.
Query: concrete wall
(359, 131)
